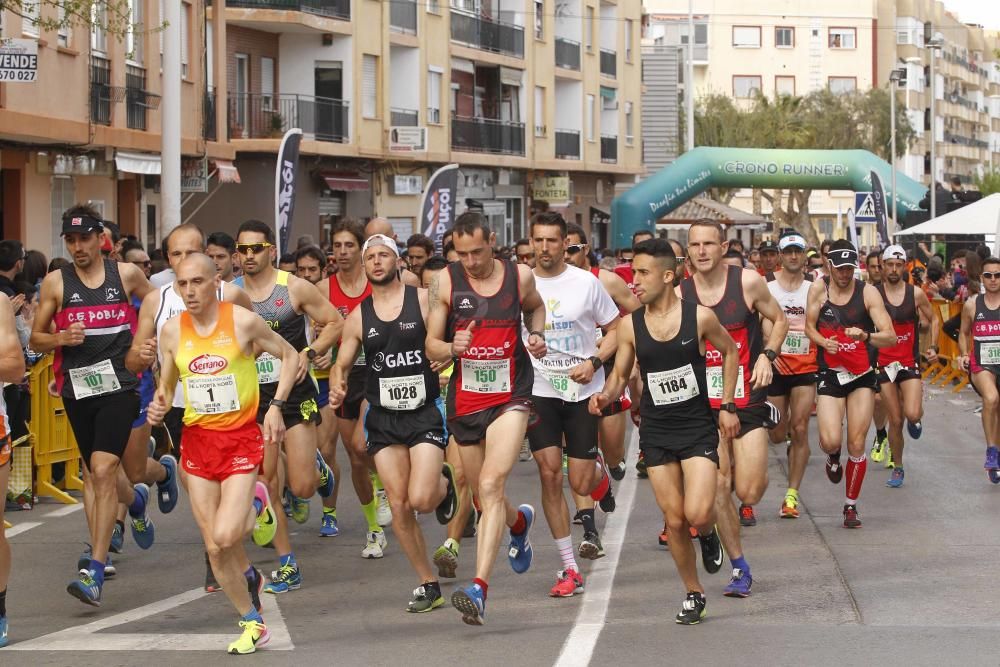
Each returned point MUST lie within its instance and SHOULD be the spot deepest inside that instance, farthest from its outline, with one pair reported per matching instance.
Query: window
(539, 19)
(433, 7)
(784, 37)
(433, 96)
(589, 28)
(65, 29)
(267, 83)
(628, 39)
(843, 38)
(746, 36)
(185, 26)
(591, 112)
(539, 111)
(369, 86)
(784, 85)
(135, 36)
(62, 197)
(31, 12)
(629, 124)
(98, 35)
(843, 84)
(746, 86)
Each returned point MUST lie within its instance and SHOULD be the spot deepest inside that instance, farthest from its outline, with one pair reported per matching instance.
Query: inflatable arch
(702, 168)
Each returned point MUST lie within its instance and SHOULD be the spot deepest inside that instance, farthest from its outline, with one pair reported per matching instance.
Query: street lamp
(895, 76)
(934, 45)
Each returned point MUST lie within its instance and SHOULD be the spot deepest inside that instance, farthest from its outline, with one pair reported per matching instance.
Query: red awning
(226, 171)
(345, 181)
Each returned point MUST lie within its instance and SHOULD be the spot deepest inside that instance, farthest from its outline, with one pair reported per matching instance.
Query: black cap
(843, 257)
(768, 246)
(81, 224)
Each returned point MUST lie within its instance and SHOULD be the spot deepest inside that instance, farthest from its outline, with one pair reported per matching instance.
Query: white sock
(565, 547)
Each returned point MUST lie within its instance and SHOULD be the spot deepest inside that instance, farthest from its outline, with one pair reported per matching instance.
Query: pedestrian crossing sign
(864, 207)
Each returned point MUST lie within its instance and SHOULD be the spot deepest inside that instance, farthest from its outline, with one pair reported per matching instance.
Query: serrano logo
(207, 364)
(487, 351)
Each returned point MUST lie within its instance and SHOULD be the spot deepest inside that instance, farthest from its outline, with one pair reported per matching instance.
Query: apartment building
(533, 97)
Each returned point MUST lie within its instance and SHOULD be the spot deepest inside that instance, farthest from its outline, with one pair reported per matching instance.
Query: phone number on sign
(18, 75)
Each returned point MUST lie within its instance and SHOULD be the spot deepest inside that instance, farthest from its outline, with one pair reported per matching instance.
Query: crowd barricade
(947, 370)
(53, 438)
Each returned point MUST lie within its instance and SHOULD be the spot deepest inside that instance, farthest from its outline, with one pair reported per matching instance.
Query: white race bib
(796, 343)
(268, 369)
(673, 386)
(847, 377)
(892, 370)
(713, 375)
(360, 361)
(989, 354)
(212, 394)
(560, 381)
(486, 377)
(94, 380)
(402, 393)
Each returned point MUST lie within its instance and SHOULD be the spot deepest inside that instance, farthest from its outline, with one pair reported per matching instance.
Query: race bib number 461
(796, 343)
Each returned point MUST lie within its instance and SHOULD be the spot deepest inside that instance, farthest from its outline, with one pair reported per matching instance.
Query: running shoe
(739, 584)
(86, 589)
(992, 459)
(211, 585)
(3, 631)
(916, 429)
(424, 599)
(640, 467)
(577, 518)
(83, 563)
(565, 465)
(285, 578)
(896, 479)
(328, 527)
(519, 553)
(851, 517)
(790, 508)
(471, 602)
(525, 453)
(299, 507)
(286, 504)
(591, 547)
(117, 538)
(618, 472)
(692, 610)
(608, 503)
(142, 527)
(568, 583)
(747, 516)
(889, 463)
(712, 553)
(834, 471)
(166, 491)
(471, 522)
(255, 636)
(879, 448)
(664, 538)
(994, 476)
(266, 525)
(446, 560)
(375, 547)
(255, 588)
(326, 478)
(383, 513)
(446, 508)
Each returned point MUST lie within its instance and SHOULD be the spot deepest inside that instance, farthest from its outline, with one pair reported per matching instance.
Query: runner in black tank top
(678, 434)
(405, 419)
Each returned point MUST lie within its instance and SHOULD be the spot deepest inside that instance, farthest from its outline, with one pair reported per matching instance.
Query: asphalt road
(913, 586)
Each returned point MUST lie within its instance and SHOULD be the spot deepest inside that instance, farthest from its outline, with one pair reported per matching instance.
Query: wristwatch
(310, 353)
(276, 403)
(770, 354)
(596, 360)
(728, 407)
(540, 334)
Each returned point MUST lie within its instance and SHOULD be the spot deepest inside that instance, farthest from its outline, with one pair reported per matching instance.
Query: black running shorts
(384, 428)
(471, 429)
(557, 418)
(753, 417)
(102, 423)
(659, 444)
(829, 385)
(300, 406)
(905, 373)
(782, 385)
(350, 408)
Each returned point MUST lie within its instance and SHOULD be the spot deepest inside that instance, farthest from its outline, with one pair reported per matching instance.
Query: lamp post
(894, 77)
(934, 45)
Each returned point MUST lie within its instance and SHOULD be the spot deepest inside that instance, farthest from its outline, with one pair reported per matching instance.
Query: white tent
(981, 217)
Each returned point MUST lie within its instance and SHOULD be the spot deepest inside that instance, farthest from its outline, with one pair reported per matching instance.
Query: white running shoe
(525, 453)
(383, 512)
(375, 546)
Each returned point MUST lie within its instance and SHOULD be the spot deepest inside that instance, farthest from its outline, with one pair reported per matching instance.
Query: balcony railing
(487, 135)
(209, 122)
(487, 34)
(568, 144)
(100, 90)
(404, 117)
(403, 16)
(340, 9)
(609, 63)
(609, 148)
(256, 116)
(567, 54)
(964, 141)
(135, 97)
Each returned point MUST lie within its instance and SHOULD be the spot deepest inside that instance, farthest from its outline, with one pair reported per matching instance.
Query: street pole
(170, 114)
(934, 46)
(892, 146)
(689, 89)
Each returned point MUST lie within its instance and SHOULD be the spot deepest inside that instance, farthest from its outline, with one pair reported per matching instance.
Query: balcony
(568, 144)
(256, 116)
(209, 118)
(609, 148)
(135, 97)
(567, 54)
(964, 141)
(403, 16)
(340, 9)
(486, 34)
(404, 117)
(100, 90)
(609, 63)
(487, 135)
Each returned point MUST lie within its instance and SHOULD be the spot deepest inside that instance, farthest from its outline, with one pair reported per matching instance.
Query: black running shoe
(851, 517)
(712, 553)
(591, 547)
(618, 472)
(211, 585)
(607, 503)
(255, 586)
(834, 470)
(692, 609)
(577, 518)
(448, 506)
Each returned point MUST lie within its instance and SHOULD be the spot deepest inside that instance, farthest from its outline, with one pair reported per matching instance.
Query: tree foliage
(820, 120)
(113, 16)
(989, 182)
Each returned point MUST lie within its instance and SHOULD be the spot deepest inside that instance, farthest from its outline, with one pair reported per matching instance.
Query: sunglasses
(575, 248)
(148, 262)
(816, 266)
(991, 275)
(252, 248)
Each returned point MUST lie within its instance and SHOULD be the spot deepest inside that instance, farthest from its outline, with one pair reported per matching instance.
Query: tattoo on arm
(435, 290)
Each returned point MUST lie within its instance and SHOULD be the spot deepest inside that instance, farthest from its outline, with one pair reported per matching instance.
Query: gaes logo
(207, 364)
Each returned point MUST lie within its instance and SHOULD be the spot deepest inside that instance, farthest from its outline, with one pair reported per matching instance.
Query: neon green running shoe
(266, 525)
(255, 636)
(879, 450)
(425, 598)
(299, 506)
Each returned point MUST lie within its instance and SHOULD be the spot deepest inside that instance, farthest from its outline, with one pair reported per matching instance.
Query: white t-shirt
(164, 277)
(576, 304)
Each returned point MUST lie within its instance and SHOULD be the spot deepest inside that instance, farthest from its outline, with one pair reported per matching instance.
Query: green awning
(608, 93)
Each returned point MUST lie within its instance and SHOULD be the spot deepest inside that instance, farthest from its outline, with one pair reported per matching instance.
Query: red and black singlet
(853, 356)
(905, 319)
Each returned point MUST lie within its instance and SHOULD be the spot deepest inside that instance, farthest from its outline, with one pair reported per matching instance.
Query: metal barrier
(53, 437)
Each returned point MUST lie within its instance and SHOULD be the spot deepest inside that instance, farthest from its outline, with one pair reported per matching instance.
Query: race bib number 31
(94, 380)
(673, 386)
(486, 377)
(989, 354)
(402, 393)
(268, 368)
(213, 394)
(714, 377)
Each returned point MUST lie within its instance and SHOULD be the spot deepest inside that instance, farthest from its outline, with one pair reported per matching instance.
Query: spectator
(58, 263)
(11, 262)
(525, 253)
(35, 266)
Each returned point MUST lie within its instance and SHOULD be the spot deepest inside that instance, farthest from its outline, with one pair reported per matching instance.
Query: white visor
(379, 239)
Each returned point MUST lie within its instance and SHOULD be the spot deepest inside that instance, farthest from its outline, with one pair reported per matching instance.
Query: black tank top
(400, 376)
(985, 338)
(673, 374)
(853, 356)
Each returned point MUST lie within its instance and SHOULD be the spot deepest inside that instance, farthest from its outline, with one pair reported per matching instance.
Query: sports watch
(310, 353)
(728, 407)
(276, 403)
(596, 361)
(770, 354)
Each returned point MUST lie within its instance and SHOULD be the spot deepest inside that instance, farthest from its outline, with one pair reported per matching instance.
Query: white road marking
(19, 528)
(24, 527)
(579, 646)
(90, 637)
(64, 510)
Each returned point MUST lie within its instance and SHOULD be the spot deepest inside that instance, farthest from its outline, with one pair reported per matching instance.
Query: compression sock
(520, 524)
(371, 515)
(377, 482)
(602, 486)
(856, 468)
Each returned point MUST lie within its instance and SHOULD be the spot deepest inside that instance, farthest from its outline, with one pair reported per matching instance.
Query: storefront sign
(194, 174)
(552, 189)
(18, 60)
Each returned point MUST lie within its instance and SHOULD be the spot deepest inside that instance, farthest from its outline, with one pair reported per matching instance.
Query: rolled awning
(608, 93)
(137, 163)
(345, 181)
(226, 171)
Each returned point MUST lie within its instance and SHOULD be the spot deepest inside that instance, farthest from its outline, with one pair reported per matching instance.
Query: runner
(282, 300)
(844, 319)
(981, 322)
(89, 304)
(11, 371)
(900, 383)
(346, 289)
(770, 258)
(576, 305)
(678, 432)
(475, 316)
(210, 348)
(793, 388)
(405, 423)
(384, 227)
(739, 297)
(221, 248)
